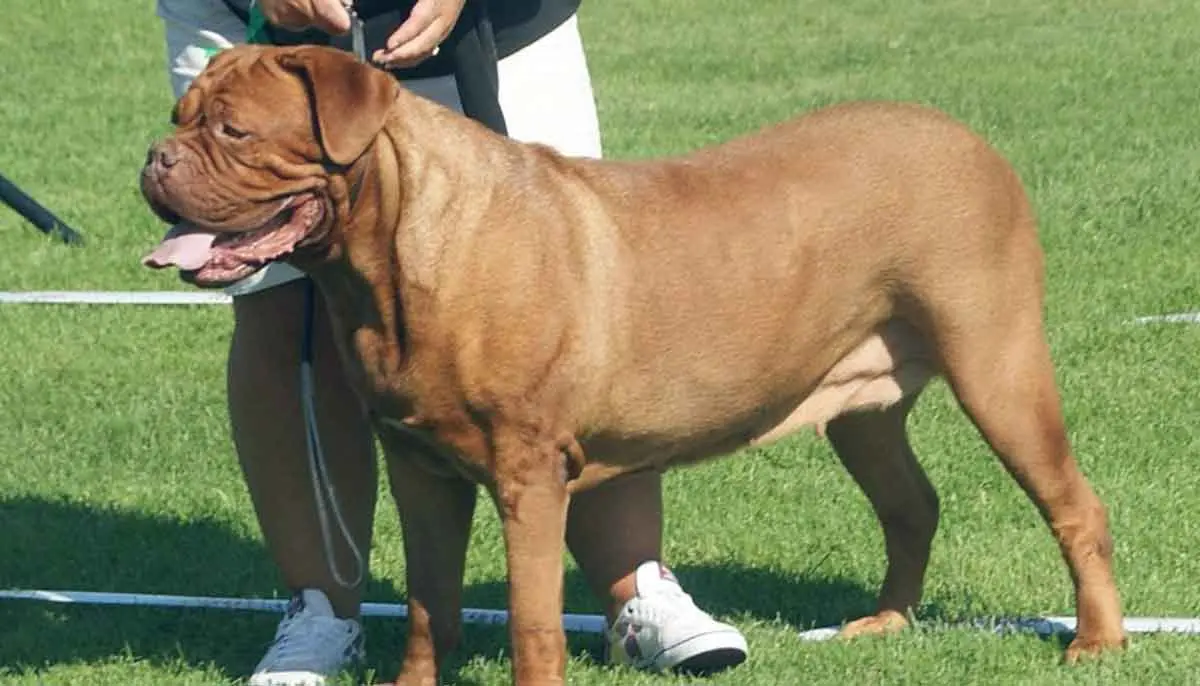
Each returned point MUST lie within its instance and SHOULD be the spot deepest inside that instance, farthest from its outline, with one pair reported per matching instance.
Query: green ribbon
(256, 30)
(256, 26)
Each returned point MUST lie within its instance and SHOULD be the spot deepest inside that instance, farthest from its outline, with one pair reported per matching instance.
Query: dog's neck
(387, 262)
(356, 275)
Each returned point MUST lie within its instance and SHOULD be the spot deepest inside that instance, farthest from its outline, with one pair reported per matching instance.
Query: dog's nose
(164, 155)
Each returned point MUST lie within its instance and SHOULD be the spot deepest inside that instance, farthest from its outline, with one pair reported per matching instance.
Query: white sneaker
(662, 629)
(311, 645)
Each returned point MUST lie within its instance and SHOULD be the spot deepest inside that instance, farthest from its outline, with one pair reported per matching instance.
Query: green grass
(116, 470)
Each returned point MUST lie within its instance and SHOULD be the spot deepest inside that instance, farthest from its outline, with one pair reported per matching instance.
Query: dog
(538, 324)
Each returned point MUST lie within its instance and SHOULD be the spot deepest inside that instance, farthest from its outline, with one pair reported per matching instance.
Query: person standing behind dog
(533, 64)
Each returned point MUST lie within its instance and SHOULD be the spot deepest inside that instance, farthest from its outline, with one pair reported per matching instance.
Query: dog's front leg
(531, 494)
(435, 515)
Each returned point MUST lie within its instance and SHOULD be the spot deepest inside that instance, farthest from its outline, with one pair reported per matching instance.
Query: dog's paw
(405, 681)
(886, 622)
(414, 678)
(1090, 647)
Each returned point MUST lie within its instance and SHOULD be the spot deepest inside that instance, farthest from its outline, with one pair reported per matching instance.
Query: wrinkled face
(254, 171)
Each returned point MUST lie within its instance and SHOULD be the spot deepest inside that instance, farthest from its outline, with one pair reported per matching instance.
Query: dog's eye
(230, 131)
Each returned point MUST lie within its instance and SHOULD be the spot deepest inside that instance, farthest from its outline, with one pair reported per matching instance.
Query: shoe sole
(710, 662)
(703, 655)
(289, 679)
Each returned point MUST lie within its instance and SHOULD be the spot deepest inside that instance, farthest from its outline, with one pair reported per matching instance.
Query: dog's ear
(349, 100)
(187, 108)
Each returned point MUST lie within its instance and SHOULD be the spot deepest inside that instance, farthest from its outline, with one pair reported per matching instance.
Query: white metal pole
(114, 297)
(592, 624)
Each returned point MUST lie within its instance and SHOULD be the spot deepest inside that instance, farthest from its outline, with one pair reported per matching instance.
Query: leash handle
(358, 40)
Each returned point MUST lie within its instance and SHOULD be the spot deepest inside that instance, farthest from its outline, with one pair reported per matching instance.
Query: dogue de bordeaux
(546, 323)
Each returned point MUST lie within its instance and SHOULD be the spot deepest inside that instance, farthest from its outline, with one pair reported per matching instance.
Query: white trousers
(545, 90)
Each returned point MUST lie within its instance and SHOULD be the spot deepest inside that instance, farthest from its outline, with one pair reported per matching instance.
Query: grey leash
(324, 493)
(323, 488)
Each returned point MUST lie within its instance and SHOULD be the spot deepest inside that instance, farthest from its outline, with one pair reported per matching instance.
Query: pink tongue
(184, 246)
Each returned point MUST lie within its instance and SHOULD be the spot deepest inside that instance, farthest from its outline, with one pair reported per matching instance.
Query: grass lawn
(117, 473)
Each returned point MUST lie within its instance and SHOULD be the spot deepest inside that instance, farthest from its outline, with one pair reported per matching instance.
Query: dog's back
(781, 279)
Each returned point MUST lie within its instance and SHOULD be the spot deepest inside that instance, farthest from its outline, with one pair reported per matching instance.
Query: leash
(324, 492)
(325, 497)
(477, 81)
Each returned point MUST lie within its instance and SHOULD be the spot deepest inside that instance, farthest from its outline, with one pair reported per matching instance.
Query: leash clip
(358, 40)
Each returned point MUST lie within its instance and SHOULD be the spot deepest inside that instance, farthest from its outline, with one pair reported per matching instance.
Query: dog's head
(256, 168)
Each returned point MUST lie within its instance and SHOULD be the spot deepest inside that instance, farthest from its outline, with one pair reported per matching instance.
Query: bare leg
(269, 433)
(613, 528)
(615, 533)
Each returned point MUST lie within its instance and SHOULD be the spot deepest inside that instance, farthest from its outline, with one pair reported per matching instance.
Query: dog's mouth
(206, 257)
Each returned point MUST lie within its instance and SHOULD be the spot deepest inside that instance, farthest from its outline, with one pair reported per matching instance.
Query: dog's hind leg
(873, 445)
(997, 361)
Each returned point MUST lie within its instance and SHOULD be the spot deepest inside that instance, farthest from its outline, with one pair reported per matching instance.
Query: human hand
(329, 16)
(419, 36)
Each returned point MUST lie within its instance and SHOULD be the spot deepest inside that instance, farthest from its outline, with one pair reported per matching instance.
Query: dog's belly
(888, 366)
(891, 363)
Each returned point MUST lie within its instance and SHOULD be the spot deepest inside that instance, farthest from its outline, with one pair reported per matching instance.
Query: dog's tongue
(184, 246)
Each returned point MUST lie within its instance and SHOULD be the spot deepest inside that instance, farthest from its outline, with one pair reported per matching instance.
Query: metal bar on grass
(36, 214)
(114, 298)
(1049, 626)
(1178, 318)
(578, 623)
(592, 624)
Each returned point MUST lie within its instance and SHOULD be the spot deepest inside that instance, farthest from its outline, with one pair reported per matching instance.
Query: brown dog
(551, 323)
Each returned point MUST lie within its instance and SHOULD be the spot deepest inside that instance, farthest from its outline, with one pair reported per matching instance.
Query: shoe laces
(301, 639)
(662, 606)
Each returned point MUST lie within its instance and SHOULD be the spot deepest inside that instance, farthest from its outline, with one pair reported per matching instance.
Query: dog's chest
(410, 413)
(409, 441)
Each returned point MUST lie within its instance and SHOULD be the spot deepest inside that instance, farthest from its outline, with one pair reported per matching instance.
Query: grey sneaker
(662, 629)
(311, 645)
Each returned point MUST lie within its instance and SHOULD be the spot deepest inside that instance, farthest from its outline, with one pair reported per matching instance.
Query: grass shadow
(61, 545)
(65, 545)
(802, 600)
(731, 591)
